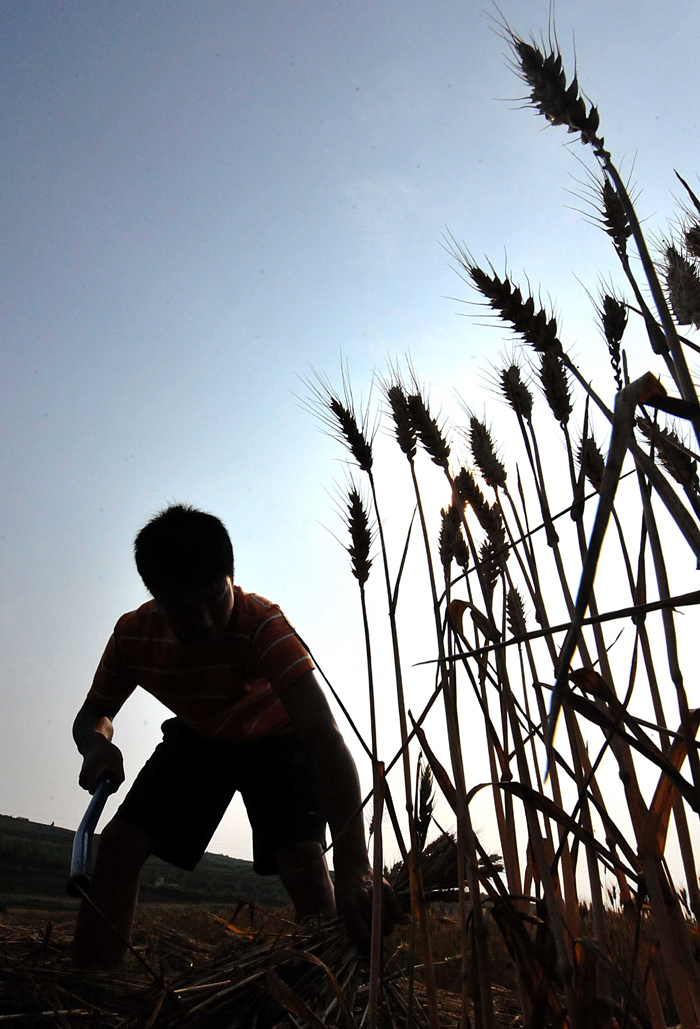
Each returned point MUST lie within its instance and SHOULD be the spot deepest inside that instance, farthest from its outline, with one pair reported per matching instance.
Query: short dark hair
(182, 549)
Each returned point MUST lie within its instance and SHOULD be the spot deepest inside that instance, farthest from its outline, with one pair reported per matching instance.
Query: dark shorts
(181, 793)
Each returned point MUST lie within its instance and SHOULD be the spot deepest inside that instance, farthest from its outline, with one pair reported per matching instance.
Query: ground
(250, 970)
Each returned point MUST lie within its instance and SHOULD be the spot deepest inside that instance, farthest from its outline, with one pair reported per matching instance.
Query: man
(249, 716)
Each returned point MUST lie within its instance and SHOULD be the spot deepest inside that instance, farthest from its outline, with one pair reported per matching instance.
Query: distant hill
(35, 861)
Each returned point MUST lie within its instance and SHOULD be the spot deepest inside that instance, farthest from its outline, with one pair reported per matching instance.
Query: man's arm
(92, 732)
(338, 787)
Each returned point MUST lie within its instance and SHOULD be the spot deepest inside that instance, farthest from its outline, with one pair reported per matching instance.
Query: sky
(203, 203)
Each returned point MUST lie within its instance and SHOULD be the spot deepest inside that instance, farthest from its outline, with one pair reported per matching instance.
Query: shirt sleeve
(113, 682)
(276, 652)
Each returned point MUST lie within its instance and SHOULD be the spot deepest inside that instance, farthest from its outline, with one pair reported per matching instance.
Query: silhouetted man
(249, 716)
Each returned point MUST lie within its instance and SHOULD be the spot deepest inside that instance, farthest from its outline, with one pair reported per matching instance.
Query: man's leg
(304, 874)
(114, 888)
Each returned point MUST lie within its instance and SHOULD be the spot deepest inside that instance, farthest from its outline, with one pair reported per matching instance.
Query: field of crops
(559, 577)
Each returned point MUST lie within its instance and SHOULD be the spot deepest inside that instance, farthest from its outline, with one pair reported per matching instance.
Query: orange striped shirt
(228, 687)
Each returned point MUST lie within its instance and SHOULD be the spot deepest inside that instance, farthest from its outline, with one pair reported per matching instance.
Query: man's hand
(92, 732)
(353, 898)
(101, 757)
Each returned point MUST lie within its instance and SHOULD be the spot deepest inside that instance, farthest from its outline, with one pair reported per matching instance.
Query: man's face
(200, 615)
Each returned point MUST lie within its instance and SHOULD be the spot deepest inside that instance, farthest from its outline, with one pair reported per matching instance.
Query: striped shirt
(228, 687)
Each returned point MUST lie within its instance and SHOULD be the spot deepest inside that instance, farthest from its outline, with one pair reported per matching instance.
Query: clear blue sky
(201, 200)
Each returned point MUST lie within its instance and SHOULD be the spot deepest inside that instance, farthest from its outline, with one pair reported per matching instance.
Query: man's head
(185, 559)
